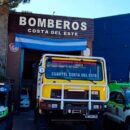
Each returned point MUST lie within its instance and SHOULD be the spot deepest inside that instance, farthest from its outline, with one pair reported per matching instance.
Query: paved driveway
(24, 121)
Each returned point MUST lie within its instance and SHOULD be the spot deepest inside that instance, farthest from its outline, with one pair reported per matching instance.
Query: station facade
(32, 35)
(112, 41)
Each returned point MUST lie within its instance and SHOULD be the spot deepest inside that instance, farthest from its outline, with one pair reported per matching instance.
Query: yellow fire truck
(71, 85)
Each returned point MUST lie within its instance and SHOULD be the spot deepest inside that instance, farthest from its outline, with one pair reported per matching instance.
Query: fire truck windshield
(73, 70)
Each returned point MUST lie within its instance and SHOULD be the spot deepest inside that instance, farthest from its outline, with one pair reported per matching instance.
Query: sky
(77, 8)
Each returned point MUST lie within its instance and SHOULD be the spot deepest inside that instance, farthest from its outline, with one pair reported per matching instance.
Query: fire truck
(6, 108)
(71, 85)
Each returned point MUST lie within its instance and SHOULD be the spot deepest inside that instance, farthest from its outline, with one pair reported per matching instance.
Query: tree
(15, 3)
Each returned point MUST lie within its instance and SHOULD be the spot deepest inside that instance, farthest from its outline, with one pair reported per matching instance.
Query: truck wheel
(38, 122)
(127, 125)
(41, 123)
(106, 123)
(89, 126)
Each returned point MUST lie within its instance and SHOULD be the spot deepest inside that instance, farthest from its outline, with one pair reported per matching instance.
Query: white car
(118, 110)
(24, 99)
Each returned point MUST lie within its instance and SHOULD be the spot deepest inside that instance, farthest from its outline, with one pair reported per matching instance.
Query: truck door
(112, 102)
(120, 104)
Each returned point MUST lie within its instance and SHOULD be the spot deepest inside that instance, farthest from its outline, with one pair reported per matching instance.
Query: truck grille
(95, 95)
(76, 94)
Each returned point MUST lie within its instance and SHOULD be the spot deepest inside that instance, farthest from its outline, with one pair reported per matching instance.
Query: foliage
(14, 3)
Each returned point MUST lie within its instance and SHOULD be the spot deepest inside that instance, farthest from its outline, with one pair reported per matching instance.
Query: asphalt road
(2, 126)
(6, 123)
(24, 121)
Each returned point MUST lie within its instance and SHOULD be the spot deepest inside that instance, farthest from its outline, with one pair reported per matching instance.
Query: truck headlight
(96, 106)
(55, 93)
(95, 95)
(54, 105)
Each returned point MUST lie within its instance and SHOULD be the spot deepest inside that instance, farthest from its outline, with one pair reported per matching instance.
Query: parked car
(24, 99)
(118, 108)
(6, 107)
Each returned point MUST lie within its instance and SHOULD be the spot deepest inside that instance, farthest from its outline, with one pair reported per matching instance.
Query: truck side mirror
(41, 70)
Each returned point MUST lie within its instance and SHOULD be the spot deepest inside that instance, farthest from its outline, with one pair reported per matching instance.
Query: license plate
(91, 116)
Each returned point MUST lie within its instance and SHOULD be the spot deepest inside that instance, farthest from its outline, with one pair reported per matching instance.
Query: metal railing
(75, 87)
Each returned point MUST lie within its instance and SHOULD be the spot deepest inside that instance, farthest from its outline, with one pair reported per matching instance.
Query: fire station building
(32, 35)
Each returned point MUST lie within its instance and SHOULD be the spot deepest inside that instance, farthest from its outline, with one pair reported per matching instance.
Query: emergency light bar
(74, 62)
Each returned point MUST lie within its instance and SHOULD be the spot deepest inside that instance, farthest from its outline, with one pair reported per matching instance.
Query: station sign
(51, 26)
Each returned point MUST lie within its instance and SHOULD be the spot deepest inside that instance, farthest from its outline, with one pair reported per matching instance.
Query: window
(113, 96)
(120, 98)
(127, 95)
(73, 70)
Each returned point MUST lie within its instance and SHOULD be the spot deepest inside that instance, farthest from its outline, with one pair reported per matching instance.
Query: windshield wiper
(67, 78)
(91, 81)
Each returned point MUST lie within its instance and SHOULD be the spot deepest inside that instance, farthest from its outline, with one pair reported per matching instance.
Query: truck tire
(38, 122)
(41, 123)
(106, 123)
(127, 125)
